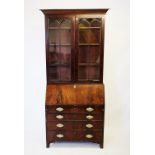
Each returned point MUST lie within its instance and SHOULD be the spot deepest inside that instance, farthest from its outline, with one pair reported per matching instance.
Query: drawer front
(75, 109)
(57, 116)
(60, 125)
(92, 117)
(89, 125)
(75, 125)
(75, 136)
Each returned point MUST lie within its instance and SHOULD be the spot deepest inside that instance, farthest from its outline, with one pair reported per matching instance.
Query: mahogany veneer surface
(70, 94)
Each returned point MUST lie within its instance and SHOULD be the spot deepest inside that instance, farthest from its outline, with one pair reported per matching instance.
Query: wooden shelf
(88, 64)
(59, 80)
(59, 64)
(89, 80)
(89, 27)
(89, 44)
(59, 28)
(59, 44)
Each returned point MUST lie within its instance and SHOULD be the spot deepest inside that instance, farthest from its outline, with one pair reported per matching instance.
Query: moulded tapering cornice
(73, 11)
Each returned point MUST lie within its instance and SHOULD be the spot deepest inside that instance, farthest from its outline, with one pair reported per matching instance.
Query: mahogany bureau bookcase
(74, 66)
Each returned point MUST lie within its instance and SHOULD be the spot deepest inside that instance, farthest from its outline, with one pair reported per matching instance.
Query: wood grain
(69, 117)
(75, 94)
(75, 136)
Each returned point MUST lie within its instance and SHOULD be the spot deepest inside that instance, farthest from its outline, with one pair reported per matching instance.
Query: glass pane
(83, 22)
(89, 54)
(54, 54)
(93, 72)
(83, 56)
(65, 36)
(66, 23)
(89, 36)
(65, 74)
(82, 73)
(65, 55)
(54, 58)
(94, 54)
(60, 31)
(59, 73)
(54, 49)
(59, 62)
(53, 22)
(54, 74)
(89, 22)
(54, 37)
(89, 49)
(59, 55)
(59, 22)
(60, 37)
(96, 22)
(88, 73)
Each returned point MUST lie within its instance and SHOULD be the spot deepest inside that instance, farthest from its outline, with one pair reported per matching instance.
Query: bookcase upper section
(74, 45)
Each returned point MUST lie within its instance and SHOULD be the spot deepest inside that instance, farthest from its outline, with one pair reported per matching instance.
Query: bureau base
(80, 123)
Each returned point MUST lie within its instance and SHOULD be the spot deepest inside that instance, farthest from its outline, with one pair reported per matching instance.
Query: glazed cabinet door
(60, 45)
(89, 49)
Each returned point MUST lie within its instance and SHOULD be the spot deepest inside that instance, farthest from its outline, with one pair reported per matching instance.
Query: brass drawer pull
(59, 116)
(89, 125)
(89, 117)
(59, 109)
(60, 125)
(60, 135)
(89, 109)
(89, 136)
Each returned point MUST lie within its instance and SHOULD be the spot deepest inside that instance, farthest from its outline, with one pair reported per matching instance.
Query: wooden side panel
(75, 94)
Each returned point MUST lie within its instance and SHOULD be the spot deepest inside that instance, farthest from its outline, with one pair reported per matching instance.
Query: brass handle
(59, 109)
(89, 136)
(60, 125)
(89, 117)
(60, 135)
(89, 125)
(59, 116)
(89, 109)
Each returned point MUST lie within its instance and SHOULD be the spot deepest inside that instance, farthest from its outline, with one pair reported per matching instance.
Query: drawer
(89, 125)
(75, 109)
(67, 116)
(75, 136)
(60, 125)
(75, 125)
(57, 116)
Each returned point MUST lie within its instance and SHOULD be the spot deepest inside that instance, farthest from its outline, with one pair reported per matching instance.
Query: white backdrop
(116, 78)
